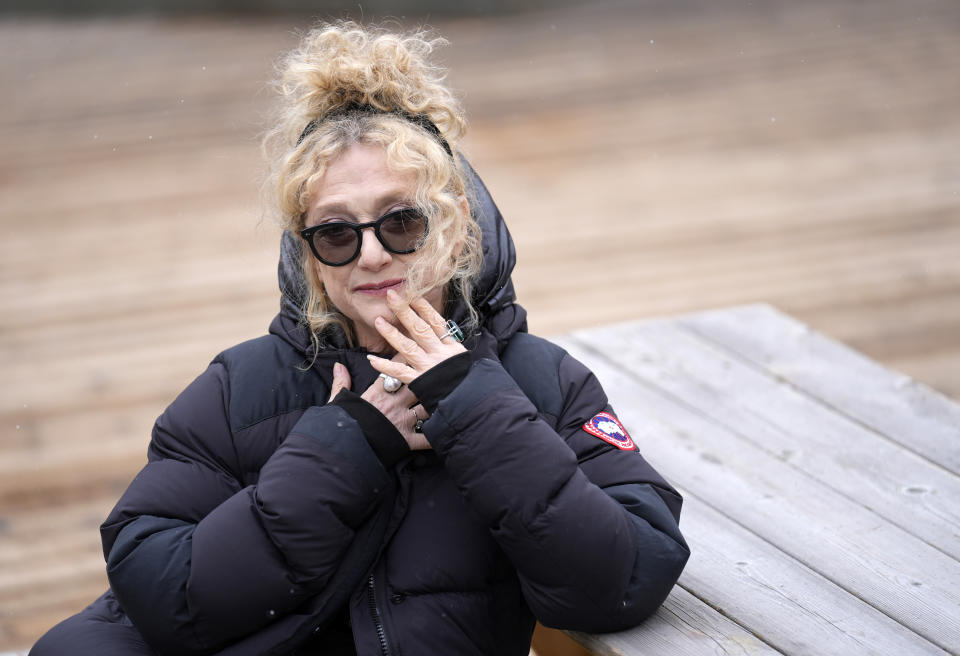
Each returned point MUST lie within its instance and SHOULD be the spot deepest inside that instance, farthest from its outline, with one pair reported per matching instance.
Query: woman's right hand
(341, 380)
(395, 406)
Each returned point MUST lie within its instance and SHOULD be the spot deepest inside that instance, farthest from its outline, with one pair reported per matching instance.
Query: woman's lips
(379, 288)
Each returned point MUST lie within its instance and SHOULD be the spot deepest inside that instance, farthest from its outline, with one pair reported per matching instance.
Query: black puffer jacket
(268, 521)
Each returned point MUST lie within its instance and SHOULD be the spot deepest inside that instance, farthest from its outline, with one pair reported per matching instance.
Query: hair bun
(345, 64)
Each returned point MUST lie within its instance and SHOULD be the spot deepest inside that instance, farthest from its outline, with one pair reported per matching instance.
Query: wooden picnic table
(821, 490)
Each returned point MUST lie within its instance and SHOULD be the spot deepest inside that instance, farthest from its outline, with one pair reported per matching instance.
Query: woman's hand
(341, 380)
(395, 406)
(423, 349)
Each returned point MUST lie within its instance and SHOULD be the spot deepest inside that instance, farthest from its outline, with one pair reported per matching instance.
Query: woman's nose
(373, 255)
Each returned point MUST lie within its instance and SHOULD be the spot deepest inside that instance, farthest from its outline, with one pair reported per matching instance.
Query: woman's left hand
(422, 349)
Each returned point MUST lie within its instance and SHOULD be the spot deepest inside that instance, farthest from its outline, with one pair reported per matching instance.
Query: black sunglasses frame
(307, 234)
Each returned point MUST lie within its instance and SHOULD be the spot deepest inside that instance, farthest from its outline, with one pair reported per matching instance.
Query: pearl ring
(390, 384)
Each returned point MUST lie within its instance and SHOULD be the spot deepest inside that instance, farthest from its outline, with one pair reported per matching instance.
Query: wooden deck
(651, 161)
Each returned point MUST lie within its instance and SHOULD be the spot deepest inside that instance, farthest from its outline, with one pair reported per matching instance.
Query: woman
(398, 467)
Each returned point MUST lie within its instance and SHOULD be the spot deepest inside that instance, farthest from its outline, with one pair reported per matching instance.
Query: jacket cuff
(382, 436)
(436, 383)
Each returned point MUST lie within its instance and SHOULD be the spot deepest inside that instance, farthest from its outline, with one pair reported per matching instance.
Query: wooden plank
(50, 430)
(861, 552)
(51, 565)
(782, 277)
(31, 541)
(110, 382)
(789, 606)
(892, 404)
(683, 626)
(29, 475)
(175, 323)
(200, 278)
(882, 476)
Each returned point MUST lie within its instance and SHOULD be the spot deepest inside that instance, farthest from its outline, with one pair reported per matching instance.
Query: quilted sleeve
(196, 560)
(590, 526)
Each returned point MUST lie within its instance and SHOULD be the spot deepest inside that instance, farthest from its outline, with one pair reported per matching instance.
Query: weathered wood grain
(803, 431)
(684, 626)
(841, 540)
(890, 403)
(781, 600)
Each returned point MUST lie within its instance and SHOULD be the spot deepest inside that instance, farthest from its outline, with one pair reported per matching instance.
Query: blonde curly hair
(337, 68)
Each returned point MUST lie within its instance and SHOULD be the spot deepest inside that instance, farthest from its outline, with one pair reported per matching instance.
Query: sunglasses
(338, 243)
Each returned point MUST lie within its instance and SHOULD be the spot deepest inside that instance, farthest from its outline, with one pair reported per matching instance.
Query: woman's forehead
(359, 180)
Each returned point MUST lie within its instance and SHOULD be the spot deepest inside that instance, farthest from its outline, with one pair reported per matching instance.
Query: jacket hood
(493, 294)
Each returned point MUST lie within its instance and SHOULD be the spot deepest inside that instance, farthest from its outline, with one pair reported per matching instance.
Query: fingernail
(337, 370)
(392, 295)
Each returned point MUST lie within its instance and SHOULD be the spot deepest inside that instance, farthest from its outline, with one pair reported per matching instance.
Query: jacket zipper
(375, 614)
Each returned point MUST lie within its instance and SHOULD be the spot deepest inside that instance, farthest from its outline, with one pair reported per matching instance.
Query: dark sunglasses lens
(335, 243)
(402, 231)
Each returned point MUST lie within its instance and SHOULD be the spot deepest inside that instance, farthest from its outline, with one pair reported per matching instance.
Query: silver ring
(390, 384)
(418, 425)
(453, 330)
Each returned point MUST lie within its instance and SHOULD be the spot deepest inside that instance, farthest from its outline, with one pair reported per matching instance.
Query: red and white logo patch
(609, 429)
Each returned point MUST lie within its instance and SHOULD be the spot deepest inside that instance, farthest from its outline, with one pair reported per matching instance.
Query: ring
(453, 330)
(390, 384)
(418, 425)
